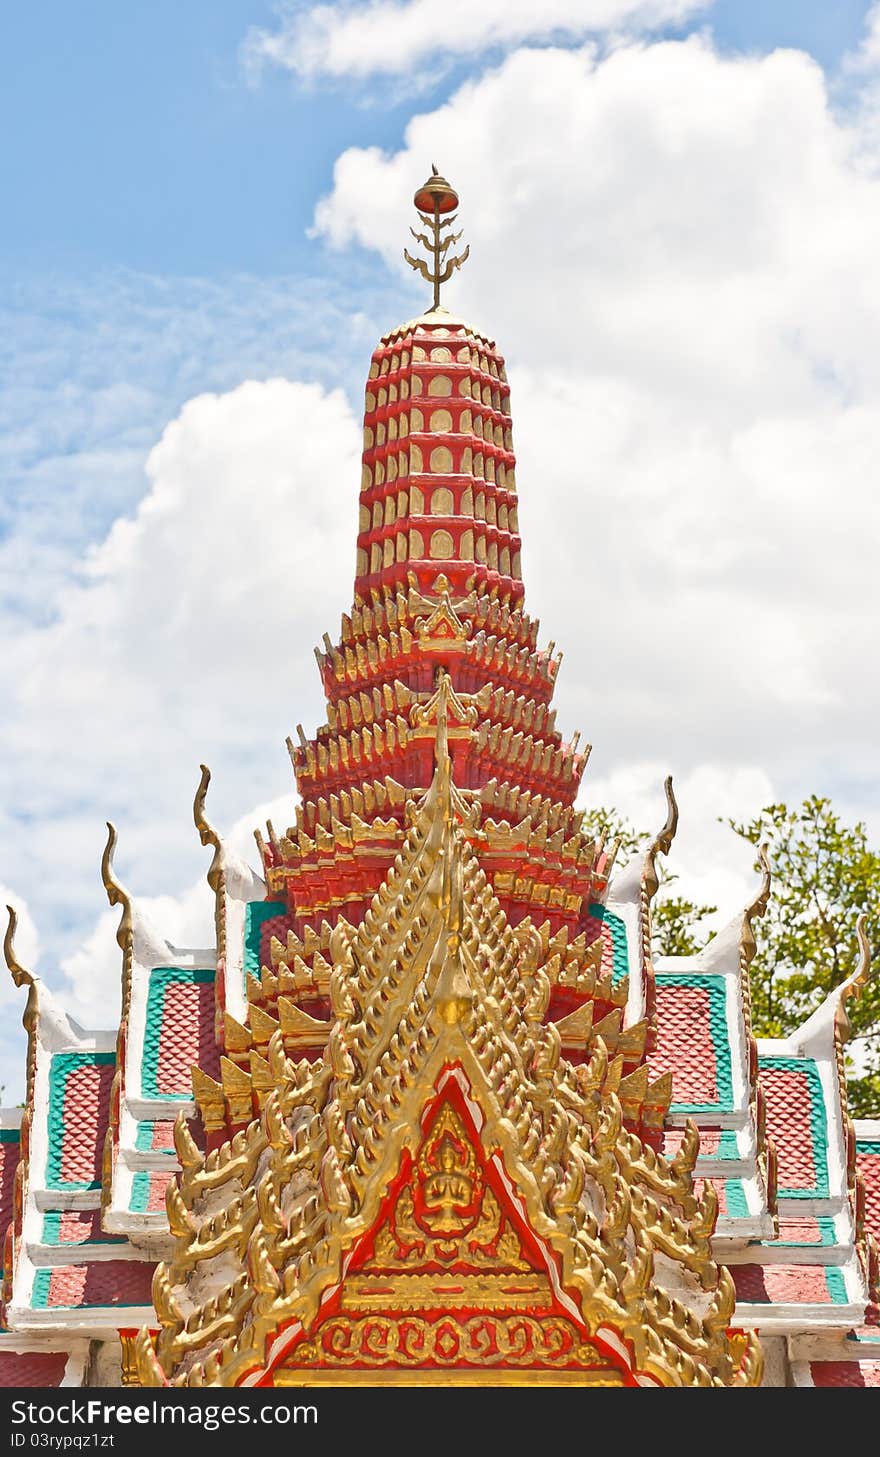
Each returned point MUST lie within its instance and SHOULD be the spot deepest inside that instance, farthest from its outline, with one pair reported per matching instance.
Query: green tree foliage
(677, 923)
(824, 876)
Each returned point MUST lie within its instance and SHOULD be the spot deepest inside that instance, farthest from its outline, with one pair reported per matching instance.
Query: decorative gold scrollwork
(482, 1340)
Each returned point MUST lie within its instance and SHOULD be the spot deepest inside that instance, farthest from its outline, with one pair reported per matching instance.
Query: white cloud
(679, 256)
(394, 37)
(93, 368)
(713, 865)
(93, 971)
(866, 57)
(859, 87)
(188, 638)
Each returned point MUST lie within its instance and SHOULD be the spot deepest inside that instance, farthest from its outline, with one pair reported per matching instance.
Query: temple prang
(430, 1109)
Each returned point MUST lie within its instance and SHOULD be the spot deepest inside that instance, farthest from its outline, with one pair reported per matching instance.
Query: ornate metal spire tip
(434, 200)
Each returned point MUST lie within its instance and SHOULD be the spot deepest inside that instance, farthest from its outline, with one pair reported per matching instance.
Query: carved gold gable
(451, 1285)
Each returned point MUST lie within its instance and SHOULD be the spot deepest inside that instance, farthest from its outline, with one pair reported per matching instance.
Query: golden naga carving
(20, 975)
(117, 895)
(483, 1341)
(442, 1191)
(23, 978)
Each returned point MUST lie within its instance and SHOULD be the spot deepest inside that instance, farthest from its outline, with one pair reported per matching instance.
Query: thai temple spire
(438, 591)
(431, 1109)
(438, 483)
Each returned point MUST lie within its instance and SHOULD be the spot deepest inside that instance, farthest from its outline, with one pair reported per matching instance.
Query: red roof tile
(274, 926)
(803, 1231)
(86, 1115)
(684, 1043)
(845, 1373)
(868, 1165)
(162, 1134)
(159, 1182)
(789, 1113)
(777, 1284)
(9, 1151)
(710, 1138)
(32, 1368)
(187, 1035)
(76, 1226)
(103, 1282)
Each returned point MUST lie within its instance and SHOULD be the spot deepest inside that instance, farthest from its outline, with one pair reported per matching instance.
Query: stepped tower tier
(438, 595)
(438, 614)
(438, 482)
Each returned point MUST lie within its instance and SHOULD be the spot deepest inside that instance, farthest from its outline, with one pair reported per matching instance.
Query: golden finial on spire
(435, 197)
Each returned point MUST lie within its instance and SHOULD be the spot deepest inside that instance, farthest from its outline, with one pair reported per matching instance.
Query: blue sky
(132, 139)
(672, 238)
(141, 162)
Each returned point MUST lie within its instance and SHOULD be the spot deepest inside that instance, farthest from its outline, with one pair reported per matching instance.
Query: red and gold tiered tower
(448, 1124)
(439, 596)
(432, 1146)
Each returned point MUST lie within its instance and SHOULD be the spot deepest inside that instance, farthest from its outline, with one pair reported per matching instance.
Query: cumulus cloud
(866, 57)
(92, 369)
(187, 638)
(713, 866)
(678, 251)
(859, 86)
(91, 990)
(393, 37)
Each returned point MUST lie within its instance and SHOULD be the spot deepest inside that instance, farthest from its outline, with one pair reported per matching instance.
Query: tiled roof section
(74, 1227)
(845, 1373)
(79, 1111)
(692, 1041)
(795, 1230)
(788, 1284)
(868, 1165)
(32, 1368)
(732, 1201)
(797, 1122)
(179, 1031)
(614, 953)
(424, 1037)
(148, 1191)
(9, 1151)
(10, 1148)
(100, 1283)
(155, 1135)
(262, 921)
(717, 1143)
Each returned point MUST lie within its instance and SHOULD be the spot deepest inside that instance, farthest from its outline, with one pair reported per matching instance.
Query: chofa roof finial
(117, 894)
(20, 975)
(436, 197)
